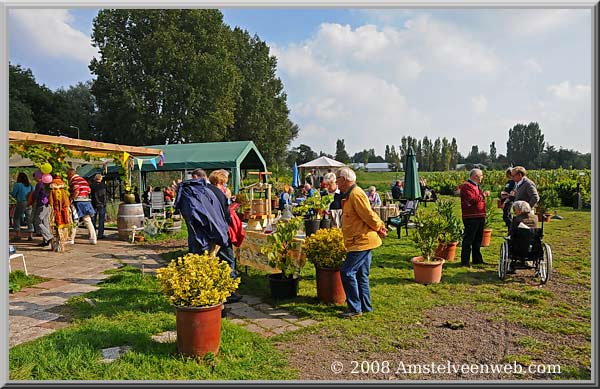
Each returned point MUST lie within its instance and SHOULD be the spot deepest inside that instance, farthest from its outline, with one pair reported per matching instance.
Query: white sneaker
(69, 242)
(93, 241)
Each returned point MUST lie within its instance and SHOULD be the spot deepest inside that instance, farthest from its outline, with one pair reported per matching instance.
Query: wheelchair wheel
(504, 261)
(545, 263)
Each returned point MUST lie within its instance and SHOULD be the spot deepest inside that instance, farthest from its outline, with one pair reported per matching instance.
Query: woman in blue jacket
(20, 191)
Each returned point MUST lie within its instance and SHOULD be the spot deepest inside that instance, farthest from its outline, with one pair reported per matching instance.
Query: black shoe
(100, 237)
(349, 314)
(465, 265)
(511, 270)
(479, 263)
(44, 243)
(234, 298)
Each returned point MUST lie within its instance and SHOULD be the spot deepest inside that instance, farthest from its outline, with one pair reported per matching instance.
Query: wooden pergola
(79, 148)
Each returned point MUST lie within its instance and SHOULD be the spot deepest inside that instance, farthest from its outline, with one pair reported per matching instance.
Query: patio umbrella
(412, 187)
(295, 176)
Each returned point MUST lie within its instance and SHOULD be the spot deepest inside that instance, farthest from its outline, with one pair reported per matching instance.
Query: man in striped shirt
(80, 198)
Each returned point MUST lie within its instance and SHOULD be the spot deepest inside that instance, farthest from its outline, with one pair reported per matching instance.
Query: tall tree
(446, 154)
(437, 155)
(341, 154)
(525, 145)
(261, 112)
(164, 75)
(493, 155)
(78, 110)
(454, 156)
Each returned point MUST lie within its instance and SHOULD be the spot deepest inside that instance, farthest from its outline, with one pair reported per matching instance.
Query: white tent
(322, 162)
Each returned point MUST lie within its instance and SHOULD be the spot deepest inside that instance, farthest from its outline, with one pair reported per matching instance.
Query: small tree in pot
(549, 200)
(313, 209)
(428, 229)
(326, 250)
(280, 251)
(452, 232)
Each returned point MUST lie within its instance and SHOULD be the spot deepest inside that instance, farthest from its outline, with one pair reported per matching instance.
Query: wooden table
(249, 254)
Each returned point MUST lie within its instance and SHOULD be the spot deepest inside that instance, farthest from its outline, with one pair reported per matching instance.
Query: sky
(372, 76)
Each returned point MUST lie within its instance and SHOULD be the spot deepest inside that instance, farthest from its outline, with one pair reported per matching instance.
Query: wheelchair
(526, 245)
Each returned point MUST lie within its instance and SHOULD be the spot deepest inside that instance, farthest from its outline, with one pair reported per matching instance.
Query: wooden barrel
(129, 215)
(259, 207)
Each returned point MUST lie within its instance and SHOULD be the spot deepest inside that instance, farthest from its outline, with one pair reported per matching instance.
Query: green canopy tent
(232, 156)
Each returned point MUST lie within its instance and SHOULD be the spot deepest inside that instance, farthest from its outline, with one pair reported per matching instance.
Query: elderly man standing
(80, 197)
(524, 188)
(362, 229)
(472, 204)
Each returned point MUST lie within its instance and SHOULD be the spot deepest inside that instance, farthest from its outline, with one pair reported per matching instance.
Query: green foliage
(18, 280)
(325, 248)
(491, 211)
(549, 200)
(525, 145)
(54, 154)
(428, 229)
(281, 244)
(453, 228)
(197, 280)
(314, 206)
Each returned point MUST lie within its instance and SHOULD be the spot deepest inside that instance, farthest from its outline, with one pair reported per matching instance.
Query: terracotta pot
(540, 217)
(281, 287)
(198, 330)
(487, 236)
(547, 217)
(329, 286)
(427, 272)
(446, 250)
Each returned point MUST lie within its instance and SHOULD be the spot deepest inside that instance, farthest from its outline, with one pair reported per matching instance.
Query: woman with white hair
(373, 196)
(523, 214)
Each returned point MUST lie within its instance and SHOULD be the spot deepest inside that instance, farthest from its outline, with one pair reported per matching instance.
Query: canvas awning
(322, 162)
(79, 148)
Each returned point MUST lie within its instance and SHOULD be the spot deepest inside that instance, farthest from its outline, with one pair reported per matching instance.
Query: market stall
(54, 155)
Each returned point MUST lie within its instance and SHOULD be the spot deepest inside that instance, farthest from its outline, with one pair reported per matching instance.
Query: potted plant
(490, 216)
(314, 209)
(452, 232)
(280, 251)
(428, 228)
(197, 285)
(548, 200)
(325, 249)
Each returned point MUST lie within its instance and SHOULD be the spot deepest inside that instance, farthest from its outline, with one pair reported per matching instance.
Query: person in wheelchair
(523, 219)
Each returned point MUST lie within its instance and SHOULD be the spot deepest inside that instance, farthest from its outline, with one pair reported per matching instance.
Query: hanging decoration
(153, 163)
(139, 162)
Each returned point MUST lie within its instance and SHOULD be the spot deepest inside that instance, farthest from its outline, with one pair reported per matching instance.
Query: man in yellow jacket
(362, 229)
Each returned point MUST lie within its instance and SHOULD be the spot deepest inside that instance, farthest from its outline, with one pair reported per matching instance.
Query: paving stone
(240, 322)
(27, 334)
(306, 323)
(251, 300)
(285, 328)
(111, 354)
(254, 328)
(54, 324)
(250, 313)
(269, 323)
(165, 337)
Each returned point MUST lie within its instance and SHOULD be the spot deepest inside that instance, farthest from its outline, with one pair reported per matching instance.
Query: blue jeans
(101, 212)
(226, 254)
(355, 278)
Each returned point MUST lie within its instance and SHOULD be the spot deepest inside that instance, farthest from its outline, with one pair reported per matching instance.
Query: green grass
(129, 310)
(17, 280)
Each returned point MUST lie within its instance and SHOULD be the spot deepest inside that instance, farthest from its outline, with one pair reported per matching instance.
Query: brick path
(81, 267)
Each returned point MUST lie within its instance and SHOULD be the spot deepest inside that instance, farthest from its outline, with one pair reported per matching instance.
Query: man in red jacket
(472, 204)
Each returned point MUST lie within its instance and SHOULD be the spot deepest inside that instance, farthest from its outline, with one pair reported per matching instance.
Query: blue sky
(372, 76)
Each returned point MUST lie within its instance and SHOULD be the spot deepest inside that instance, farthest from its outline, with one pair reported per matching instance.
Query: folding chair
(404, 218)
(157, 204)
(15, 256)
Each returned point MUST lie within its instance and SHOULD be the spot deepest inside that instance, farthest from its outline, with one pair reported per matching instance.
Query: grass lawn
(504, 321)
(17, 280)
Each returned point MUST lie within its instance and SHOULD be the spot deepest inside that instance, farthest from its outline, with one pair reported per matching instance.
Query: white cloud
(532, 22)
(50, 32)
(566, 91)
(479, 104)
(533, 66)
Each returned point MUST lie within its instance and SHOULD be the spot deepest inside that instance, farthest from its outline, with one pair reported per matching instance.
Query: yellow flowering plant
(325, 248)
(197, 280)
